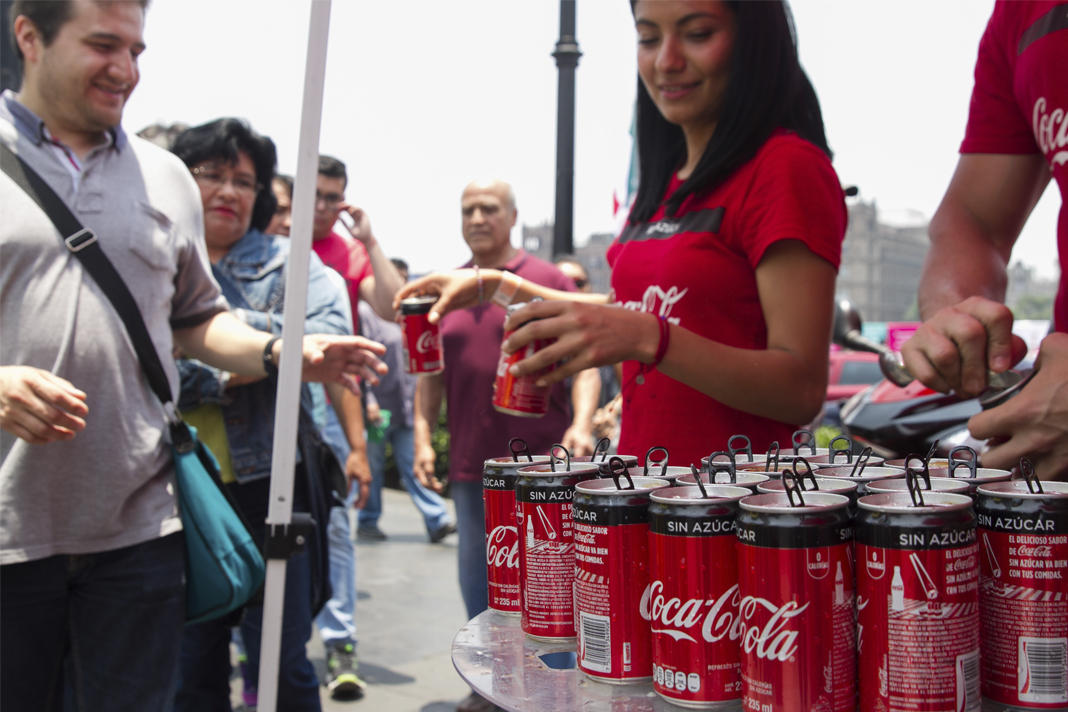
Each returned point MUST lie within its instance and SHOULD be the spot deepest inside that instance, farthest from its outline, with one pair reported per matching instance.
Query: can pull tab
(920, 470)
(617, 467)
(747, 448)
(800, 478)
(970, 463)
(802, 438)
(795, 489)
(601, 448)
(700, 482)
(847, 450)
(861, 462)
(714, 468)
(1034, 485)
(554, 458)
(912, 482)
(662, 463)
(518, 446)
(771, 462)
(930, 453)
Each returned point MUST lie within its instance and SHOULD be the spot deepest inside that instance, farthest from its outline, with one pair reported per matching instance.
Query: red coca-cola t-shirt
(697, 270)
(1020, 101)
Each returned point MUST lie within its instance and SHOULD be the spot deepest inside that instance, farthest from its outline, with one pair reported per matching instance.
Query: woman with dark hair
(234, 167)
(723, 277)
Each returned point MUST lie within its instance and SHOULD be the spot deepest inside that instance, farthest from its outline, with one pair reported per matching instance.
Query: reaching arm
(385, 281)
(585, 392)
(427, 406)
(786, 381)
(967, 329)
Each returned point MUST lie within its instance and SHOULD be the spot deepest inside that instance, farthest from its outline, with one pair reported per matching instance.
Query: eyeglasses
(213, 179)
(581, 283)
(330, 200)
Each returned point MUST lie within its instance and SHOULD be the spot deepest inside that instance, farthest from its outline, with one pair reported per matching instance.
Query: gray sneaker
(371, 533)
(341, 677)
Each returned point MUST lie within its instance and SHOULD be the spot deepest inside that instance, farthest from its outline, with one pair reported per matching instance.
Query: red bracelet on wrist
(661, 349)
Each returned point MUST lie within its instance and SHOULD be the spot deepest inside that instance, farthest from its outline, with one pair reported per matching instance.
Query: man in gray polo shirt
(91, 586)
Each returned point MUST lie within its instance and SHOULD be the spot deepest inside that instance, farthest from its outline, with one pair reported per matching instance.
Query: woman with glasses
(234, 166)
(723, 278)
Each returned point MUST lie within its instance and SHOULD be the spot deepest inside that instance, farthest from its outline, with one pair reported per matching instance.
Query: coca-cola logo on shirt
(426, 342)
(502, 548)
(773, 640)
(1051, 132)
(678, 618)
(657, 300)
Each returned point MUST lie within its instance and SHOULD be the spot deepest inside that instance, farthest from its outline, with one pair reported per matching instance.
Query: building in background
(538, 241)
(1030, 296)
(881, 265)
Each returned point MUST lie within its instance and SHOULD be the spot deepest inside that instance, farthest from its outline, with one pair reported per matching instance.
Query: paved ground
(408, 612)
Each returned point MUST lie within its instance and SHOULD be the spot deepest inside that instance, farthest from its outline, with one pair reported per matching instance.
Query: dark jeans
(100, 631)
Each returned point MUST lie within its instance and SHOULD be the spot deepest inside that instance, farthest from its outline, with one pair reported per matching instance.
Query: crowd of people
(718, 322)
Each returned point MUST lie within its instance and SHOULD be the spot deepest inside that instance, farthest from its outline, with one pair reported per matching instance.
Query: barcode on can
(1043, 670)
(596, 639)
(968, 697)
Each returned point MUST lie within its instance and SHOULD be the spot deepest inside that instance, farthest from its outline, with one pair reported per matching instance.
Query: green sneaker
(341, 677)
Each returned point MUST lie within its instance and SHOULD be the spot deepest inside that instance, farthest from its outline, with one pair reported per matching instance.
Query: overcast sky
(424, 96)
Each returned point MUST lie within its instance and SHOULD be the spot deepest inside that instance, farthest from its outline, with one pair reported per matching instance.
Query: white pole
(287, 406)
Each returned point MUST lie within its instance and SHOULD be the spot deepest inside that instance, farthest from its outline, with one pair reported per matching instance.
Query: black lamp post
(567, 57)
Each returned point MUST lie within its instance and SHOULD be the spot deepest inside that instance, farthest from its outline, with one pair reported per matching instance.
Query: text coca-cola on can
(422, 340)
(610, 518)
(917, 603)
(543, 500)
(1023, 592)
(521, 395)
(692, 599)
(795, 579)
(502, 534)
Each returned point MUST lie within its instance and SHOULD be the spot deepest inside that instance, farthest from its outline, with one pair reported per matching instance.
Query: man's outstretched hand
(39, 407)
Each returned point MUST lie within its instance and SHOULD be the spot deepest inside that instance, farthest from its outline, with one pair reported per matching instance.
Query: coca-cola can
(917, 603)
(422, 340)
(795, 579)
(1023, 593)
(937, 484)
(610, 518)
(861, 477)
(692, 599)
(521, 395)
(725, 476)
(502, 534)
(543, 500)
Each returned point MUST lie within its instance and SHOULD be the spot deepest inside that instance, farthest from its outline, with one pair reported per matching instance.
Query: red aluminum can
(692, 599)
(795, 579)
(502, 534)
(1023, 594)
(520, 395)
(543, 499)
(610, 518)
(917, 603)
(422, 340)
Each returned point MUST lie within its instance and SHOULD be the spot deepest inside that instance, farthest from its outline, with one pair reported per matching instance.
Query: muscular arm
(427, 406)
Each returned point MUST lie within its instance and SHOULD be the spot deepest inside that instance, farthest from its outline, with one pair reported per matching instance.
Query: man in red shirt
(471, 341)
(1016, 140)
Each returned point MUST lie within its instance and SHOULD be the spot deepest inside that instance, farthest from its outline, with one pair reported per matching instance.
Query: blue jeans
(337, 620)
(204, 684)
(471, 526)
(428, 502)
(100, 631)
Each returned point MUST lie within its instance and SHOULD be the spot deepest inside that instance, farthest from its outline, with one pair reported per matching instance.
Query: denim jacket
(252, 277)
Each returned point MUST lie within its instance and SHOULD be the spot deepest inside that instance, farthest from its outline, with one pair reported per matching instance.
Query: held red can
(917, 603)
(610, 518)
(502, 533)
(692, 599)
(422, 340)
(1023, 593)
(520, 395)
(543, 499)
(795, 579)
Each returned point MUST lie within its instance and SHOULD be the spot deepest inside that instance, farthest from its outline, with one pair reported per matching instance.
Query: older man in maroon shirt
(471, 339)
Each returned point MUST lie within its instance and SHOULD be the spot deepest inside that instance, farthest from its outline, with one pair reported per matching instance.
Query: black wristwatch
(268, 358)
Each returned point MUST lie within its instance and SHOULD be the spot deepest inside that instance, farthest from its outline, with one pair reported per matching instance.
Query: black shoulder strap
(83, 243)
